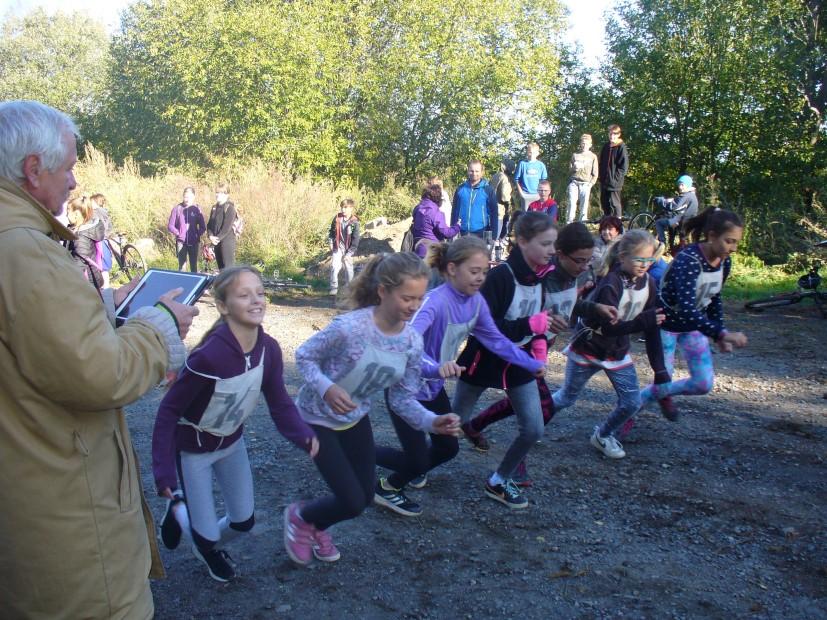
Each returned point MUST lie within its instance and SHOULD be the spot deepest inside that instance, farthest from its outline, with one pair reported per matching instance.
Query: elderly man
(76, 537)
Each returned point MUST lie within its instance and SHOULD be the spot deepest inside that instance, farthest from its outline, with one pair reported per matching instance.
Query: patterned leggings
(695, 350)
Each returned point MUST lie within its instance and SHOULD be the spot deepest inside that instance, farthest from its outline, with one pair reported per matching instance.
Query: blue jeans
(662, 225)
(624, 381)
(526, 402)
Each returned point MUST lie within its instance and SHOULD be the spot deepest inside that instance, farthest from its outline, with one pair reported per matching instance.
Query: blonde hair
(622, 246)
(586, 136)
(440, 254)
(220, 290)
(387, 270)
(81, 205)
(533, 146)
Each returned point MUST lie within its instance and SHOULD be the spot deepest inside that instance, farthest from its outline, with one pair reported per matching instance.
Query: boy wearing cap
(686, 206)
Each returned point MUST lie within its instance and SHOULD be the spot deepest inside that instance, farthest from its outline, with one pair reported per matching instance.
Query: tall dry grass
(286, 218)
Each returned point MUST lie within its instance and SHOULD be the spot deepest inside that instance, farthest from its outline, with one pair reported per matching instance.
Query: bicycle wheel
(643, 220)
(776, 301)
(133, 262)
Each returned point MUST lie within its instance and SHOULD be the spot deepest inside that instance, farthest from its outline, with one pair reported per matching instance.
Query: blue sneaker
(419, 482)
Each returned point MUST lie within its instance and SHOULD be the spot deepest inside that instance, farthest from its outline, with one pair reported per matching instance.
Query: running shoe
(476, 438)
(218, 562)
(507, 494)
(419, 482)
(323, 547)
(394, 499)
(170, 528)
(521, 477)
(298, 536)
(668, 409)
(607, 445)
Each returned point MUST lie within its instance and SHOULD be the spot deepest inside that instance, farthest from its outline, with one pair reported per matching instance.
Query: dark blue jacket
(475, 208)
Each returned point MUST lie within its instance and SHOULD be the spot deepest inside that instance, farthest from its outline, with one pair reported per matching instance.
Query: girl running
(357, 356)
(565, 279)
(522, 309)
(603, 345)
(449, 314)
(200, 421)
(691, 297)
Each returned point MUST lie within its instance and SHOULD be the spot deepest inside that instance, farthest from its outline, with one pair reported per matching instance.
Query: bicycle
(808, 287)
(658, 208)
(127, 261)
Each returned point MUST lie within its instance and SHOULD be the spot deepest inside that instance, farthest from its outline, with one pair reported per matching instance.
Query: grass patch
(751, 278)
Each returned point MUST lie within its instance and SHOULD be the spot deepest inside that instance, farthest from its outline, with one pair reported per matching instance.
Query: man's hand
(119, 294)
(183, 314)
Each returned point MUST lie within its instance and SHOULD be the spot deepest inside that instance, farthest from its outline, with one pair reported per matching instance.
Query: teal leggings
(695, 350)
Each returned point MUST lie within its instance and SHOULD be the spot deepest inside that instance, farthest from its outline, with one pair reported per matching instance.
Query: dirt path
(721, 515)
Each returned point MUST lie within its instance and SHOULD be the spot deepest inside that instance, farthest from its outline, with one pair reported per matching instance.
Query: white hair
(31, 128)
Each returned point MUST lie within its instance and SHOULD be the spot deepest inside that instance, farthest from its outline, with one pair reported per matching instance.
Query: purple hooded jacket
(429, 224)
(187, 224)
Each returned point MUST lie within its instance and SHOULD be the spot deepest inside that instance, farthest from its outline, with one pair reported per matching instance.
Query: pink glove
(539, 349)
(538, 323)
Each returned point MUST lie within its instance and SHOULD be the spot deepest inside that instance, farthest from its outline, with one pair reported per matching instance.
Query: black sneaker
(394, 499)
(419, 482)
(218, 562)
(170, 528)
(481, 444)
(507, 494)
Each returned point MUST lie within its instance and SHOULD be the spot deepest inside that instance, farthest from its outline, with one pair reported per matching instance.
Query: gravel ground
(720, 515)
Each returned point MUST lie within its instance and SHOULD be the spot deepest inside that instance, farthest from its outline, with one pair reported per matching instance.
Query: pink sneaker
(298, 536)
(324, 549)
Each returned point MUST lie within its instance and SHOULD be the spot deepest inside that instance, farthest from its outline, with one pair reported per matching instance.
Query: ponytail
(711, 220)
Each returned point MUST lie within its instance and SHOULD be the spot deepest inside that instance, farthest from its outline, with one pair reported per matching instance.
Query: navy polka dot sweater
(691, 293)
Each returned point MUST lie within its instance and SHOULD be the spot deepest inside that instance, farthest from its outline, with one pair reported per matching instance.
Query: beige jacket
(76, 540)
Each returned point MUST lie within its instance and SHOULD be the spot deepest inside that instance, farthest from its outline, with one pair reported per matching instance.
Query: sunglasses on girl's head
(644, 260)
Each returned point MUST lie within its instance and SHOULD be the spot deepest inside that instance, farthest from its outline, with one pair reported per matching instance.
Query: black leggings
(416, 457)
(347, 462)
(187, 251)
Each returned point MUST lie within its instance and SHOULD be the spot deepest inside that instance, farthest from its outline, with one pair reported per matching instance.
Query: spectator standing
(475, 205)
(583, 172)
(77, 536)
(429, 223)
(186, 223)
(343, 239)
(545, 202)
(501, 185)
(529, 173)
(444, 198)
(612, 169)
(220, 227)
(89, 231)
(102, 213)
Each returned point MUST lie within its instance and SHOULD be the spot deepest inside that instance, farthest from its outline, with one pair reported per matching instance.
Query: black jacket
(221, 221)
(605, 341)
(613, 166)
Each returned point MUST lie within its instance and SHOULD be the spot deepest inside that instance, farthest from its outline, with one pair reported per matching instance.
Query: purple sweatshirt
(187, 224)
(220, 356)
(445, 319)
(429, 224)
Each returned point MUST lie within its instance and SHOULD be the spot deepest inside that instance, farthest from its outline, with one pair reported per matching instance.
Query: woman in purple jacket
(429, 224)
(449, 314)
(200, 422)
(186, 223)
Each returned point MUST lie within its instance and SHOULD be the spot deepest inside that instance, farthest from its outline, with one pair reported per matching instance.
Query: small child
(200, 421)
(345, 365)
(343, 239)
(90, 232)
(451, 312)
(100, 211)
(529, 173)
(604, 345)
(545, 202)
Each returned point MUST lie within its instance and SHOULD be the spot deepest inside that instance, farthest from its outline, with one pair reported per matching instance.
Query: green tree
(58, 59)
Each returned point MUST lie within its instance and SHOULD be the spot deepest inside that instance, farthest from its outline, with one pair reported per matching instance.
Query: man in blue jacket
(475, 205)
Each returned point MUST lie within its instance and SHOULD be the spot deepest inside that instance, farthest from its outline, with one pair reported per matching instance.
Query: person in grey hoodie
(583, 175)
